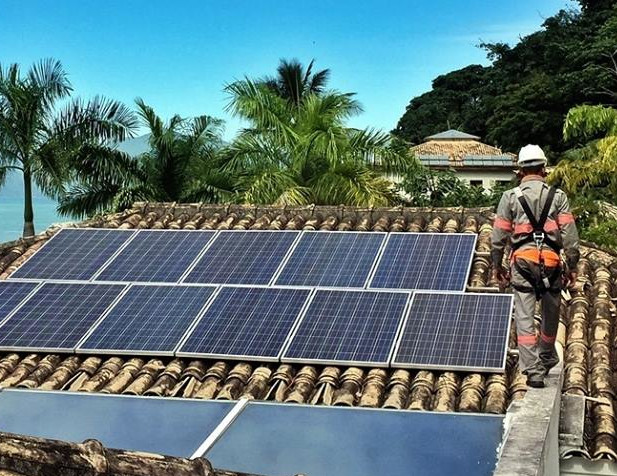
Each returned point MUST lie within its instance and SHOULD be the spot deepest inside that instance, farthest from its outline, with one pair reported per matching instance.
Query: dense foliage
(183, 164)
(299, 150)
(424, 187)
(42, 138)
(524, 95)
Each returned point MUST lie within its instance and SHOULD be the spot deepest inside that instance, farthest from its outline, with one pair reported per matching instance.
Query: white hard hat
(531, 156)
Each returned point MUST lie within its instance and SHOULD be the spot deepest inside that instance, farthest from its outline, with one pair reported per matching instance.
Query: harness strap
(537, 225)
(538, 278)
(547, 208)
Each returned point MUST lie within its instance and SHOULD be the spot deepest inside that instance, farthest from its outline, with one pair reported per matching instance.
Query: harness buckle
(538, 238)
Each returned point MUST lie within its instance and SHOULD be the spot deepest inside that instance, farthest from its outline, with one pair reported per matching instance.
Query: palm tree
(181, 165)
(593, 164)
(293, 82)
(39, 139)
(302, 152)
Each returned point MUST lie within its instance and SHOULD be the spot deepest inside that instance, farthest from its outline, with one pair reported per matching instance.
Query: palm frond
(147, 114)
(98, 119)
(49, 77)
(265, 110)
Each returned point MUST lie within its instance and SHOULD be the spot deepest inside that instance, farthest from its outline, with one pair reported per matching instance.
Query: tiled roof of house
(460, 149)
(452, 134)
(588, 320)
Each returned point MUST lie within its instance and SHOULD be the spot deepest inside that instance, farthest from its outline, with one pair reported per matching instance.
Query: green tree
(423, 187)
(294, 82)
(591, 166)
(526, 92)
(302, 152)
(39, 139)
(183, 164)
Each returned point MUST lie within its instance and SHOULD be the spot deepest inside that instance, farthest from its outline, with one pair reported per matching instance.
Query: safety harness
(537, 277)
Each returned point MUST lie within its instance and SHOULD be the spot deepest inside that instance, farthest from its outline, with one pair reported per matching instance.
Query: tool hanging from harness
(537, 276)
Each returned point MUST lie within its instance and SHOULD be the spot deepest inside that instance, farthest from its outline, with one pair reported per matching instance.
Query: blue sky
(178, 55)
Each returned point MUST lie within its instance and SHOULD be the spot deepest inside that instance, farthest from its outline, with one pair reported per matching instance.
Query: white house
(474, 162)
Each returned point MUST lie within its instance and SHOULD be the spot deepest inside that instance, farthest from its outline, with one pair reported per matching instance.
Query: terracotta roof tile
(456, 150)
(28, 456)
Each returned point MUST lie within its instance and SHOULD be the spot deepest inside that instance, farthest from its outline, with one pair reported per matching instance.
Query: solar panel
(332, 259)
(148, 319)
(246, 323)
(283, 439)
(439, 261)
(348, 327)
(243, 257)
(168, 426)
(156, 256)
(73, 254)
(455, 331)
(57, 316)
(12, 294)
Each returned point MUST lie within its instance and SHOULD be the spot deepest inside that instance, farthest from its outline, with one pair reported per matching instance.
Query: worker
(536, 220)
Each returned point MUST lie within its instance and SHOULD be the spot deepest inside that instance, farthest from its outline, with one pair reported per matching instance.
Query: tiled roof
(452, 134)
(589, 319)
(27, 456)
(460, 150)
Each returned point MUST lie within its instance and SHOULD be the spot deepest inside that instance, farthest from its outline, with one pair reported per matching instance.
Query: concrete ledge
(530, 446)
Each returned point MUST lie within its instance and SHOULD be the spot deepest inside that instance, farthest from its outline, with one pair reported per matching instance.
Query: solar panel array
(340, 298)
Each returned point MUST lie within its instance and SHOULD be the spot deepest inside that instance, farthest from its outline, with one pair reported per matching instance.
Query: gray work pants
(533, 351)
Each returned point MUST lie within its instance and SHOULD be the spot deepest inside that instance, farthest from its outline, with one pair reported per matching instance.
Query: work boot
(535, 380)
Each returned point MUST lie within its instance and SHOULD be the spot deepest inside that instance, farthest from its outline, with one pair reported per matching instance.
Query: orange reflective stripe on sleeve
(522, 228)
(547, 339)
(503, 224)
(551, 225)
(565, 218)
(526, 340)
(551, 259)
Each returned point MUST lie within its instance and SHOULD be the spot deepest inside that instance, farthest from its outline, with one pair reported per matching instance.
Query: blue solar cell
(246, 323)
(348, 327)
(57, 316)
(242, 257)
(150, 319)
(455, 331)
(11, 294)
(439, 261)
(156, 256)
(73, 254)
(332, 259)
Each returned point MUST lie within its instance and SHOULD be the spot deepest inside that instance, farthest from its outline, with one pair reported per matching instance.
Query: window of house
(475, 183)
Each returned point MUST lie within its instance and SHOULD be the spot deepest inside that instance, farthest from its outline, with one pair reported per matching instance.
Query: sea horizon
(12, 210)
